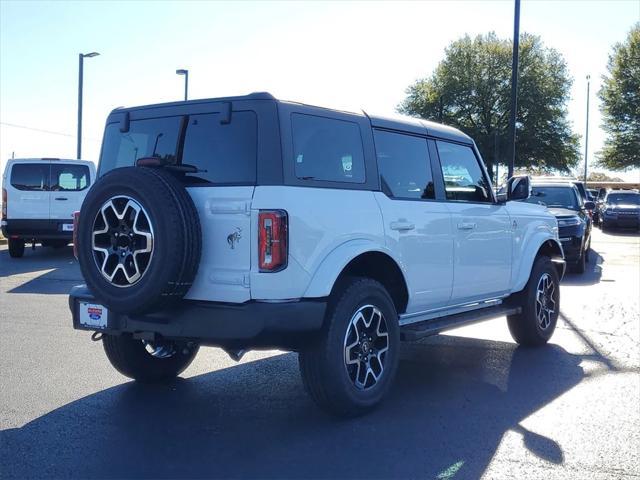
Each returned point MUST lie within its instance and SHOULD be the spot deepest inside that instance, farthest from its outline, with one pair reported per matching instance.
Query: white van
(39, 196)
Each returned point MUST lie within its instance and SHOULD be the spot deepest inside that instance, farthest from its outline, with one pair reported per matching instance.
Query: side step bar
(427, 328)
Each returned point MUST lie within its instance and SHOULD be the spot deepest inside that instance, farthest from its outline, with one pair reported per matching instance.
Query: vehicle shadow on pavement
(453, 401)
(591, 275)
(62, 270)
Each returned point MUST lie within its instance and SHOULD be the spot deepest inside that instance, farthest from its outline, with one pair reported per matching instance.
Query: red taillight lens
(4, 204)
(76, 219)
(272, 240)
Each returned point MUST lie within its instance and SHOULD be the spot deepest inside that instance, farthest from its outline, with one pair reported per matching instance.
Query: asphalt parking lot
(468, 404)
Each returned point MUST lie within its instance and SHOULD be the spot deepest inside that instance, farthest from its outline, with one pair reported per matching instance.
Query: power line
(45, 131)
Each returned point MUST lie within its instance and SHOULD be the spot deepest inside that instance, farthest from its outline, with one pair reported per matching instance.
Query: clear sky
(336, 54)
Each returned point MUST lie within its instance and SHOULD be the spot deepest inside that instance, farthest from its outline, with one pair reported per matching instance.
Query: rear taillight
(272, 240)
(76, 218)
(4, 204)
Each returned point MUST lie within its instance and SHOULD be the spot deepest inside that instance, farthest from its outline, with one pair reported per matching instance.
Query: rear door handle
(61, 198)
(402, 226)
(466, 226)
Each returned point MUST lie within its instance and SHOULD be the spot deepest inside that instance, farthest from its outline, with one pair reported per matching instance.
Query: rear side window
(30, 176)
(327, 149)
(404, 165)
(463, 177)
(69, 178)
(223, 153)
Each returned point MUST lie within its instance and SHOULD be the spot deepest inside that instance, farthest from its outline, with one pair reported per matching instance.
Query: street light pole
(514, 88)
(81, 57)
(184, 72)
(586, 135)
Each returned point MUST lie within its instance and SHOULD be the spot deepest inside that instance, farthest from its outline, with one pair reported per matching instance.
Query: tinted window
(565, 197)
(30, 176)
(146, 138)
(622, 198)
(463, 177)
(403, 162)
(69, 177)
(327, 149)
(226, 153)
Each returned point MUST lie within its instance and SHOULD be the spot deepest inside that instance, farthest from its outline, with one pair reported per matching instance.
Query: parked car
(565, 202)
(621, 208)
(39, 196)
(249, 222)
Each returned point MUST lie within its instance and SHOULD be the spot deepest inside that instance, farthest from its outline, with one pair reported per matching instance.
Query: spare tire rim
(366, 344)
(122, 241)
(545, 301)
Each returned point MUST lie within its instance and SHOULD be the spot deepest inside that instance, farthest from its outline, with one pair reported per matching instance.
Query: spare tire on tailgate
(139, 240)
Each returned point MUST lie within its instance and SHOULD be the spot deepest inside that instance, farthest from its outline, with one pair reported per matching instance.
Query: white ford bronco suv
(248, 222)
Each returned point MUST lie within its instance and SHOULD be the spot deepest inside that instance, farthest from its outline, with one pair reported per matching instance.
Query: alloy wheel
(122, 241)
(366, 344)
(545, 301)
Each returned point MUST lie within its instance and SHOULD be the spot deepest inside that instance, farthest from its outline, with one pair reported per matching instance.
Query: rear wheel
(352, 365)
(148, 362)
(16, 247)
(540, 302)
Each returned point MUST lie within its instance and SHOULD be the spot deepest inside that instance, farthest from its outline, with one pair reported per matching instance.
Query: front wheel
(352, 365)
(540, 302)
(148, 362)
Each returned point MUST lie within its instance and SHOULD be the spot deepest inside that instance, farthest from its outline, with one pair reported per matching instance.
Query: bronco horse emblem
(234, 237)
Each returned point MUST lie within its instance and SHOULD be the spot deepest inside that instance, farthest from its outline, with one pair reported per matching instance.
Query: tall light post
(586, 134)
(514, 88)
(184, 72)
(81, 58)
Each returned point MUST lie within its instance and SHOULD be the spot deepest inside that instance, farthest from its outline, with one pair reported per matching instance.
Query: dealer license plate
(93, 315)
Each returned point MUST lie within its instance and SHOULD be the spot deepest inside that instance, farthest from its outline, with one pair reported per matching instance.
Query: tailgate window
(30, 176)
(154, 137)
(69, 178)
(224, 154)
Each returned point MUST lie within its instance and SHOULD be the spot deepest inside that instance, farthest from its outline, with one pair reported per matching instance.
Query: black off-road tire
(176, 239)
(525, 328)
(16, 247)
(130, 357)
(581, 264)
(322, 365)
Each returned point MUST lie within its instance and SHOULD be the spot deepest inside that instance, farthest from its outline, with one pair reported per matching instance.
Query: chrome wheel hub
(545, 301)
(160, 350)
(366, 344)
(122, 241)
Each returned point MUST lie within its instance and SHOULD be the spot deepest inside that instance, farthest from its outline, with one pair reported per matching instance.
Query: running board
(414, 331)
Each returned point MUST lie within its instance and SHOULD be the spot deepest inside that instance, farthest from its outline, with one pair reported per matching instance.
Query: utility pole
(514, 89)
(586, 135)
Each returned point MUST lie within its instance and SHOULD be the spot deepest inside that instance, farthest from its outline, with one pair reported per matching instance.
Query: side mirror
(589, 205)
(518, 187)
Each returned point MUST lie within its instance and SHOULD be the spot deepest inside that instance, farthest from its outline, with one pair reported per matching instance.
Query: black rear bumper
(29, 229)
(250, 324)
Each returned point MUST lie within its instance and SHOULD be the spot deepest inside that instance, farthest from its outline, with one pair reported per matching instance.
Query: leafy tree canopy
(620, 95)
(471, 90)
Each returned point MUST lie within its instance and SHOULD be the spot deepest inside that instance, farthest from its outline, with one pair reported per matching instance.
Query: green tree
(471, 90)
(620, 95)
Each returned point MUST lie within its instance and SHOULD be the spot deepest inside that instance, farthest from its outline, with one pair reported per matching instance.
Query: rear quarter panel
(320, 221)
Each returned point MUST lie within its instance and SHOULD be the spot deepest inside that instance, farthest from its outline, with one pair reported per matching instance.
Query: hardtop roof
(395, 122)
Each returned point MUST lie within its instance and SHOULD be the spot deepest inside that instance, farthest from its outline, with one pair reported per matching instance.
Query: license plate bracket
(93, 315)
